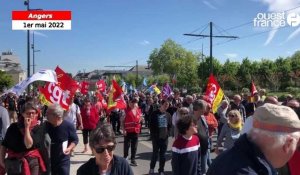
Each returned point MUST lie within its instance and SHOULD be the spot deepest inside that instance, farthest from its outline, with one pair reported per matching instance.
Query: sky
(119, 32)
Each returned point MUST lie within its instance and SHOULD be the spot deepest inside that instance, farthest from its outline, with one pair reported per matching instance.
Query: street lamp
(33, 51)
(26, 3)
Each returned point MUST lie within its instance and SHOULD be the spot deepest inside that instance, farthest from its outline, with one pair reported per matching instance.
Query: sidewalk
(79, 158)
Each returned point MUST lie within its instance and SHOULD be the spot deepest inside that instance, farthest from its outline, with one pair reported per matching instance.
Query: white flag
(42, 75)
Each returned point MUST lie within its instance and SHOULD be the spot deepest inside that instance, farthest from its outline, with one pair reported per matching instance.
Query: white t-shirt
(248, 125)
(70, 115)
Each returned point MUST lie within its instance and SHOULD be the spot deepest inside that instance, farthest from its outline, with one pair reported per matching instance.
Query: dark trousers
(85, 135)
(159, 147)
(131, 139)
(116, 123)
(61, 168)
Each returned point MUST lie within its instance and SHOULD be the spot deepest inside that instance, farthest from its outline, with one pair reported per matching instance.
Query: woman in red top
(90, 119)
(132, 127)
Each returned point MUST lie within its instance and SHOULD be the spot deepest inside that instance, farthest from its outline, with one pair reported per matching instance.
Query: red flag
(115, 97)
(101, 100)
(84, 87)
(214, 93)
(60, 92)
(65, 81)
(101, 85)
(253, 91)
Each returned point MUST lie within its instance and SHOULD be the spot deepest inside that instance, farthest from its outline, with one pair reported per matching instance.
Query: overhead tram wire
(249, 36)
(193, 40)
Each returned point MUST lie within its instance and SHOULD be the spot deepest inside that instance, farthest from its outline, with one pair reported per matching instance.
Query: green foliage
(172, 59)
(132, 79)
(6, 81)
(196, 89)
(293, 90)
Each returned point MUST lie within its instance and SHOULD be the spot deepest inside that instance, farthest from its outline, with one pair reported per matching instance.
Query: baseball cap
(276, 118)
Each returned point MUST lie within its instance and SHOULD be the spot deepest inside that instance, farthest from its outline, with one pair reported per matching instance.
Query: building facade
(10, 64)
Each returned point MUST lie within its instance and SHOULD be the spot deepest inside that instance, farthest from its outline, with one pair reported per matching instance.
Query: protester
(132, 128)
(185, 147)
(181, 112)
(73, 115)
(238, 106)
(11, 105)
(90, 119)
(21, 144)
(270, 144)
(160, 125)
(188, 103)
(231, 131)
(4, 122)
(199, 108)
(221, 115)
(115, 119)
(63, 140)
(103, 143)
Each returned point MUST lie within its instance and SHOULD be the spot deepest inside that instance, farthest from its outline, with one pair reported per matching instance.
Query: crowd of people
(257, 136)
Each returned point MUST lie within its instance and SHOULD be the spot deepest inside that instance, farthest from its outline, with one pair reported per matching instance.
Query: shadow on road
(166, 173)
(147, 156)
(77, 162)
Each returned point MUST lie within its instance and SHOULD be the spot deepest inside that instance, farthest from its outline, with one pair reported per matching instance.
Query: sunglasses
(109, 148)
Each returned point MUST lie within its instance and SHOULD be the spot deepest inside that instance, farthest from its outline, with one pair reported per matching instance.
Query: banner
(214, 93)
(101, 86)
(42, 75)
(60, 92)
(115, 97)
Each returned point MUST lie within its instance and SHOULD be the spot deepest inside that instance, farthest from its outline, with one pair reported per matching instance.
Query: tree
(131, 79)
(295, 67)
(227, 75)
(283, 71)
(266, 71)
(6, 80)
(173, 59)
(244, 75)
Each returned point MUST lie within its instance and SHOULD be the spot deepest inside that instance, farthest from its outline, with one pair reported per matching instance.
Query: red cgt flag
(214, 93)
(60, 92)
(115, 97)
(101, 85)
(84, 87)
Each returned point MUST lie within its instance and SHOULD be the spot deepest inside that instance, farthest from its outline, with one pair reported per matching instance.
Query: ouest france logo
(276, 19)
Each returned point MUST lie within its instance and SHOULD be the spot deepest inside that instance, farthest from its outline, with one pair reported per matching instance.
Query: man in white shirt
(73, 115)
